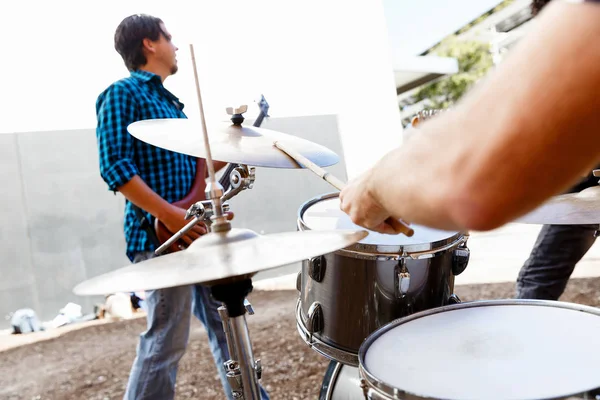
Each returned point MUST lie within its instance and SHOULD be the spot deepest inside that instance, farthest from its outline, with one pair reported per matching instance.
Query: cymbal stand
(243, 372)
(242, 177)
(233, 294)
(232, 368)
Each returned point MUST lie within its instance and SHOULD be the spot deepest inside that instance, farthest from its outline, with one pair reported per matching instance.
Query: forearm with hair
(526, 133)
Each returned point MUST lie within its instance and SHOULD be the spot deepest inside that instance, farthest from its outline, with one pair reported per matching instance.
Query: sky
(416, 25)
(58, 56)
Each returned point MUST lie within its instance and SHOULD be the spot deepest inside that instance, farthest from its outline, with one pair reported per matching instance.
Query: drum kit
(381, 307)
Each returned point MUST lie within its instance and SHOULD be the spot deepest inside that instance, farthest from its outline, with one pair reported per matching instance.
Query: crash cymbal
(220, 258)
(567, 209)
(230, 143)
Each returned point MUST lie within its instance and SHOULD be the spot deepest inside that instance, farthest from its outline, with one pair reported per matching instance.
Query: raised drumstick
(337, 183)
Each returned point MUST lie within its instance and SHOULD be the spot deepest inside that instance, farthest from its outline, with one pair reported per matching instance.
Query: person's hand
(174, 220)
(357, 200)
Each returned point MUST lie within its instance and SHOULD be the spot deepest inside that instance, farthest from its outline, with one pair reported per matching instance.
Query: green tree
(474, 61)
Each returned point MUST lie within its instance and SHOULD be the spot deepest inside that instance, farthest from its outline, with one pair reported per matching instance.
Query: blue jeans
(161, 346)
(556, 252)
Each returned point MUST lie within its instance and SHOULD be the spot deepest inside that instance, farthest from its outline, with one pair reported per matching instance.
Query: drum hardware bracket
(248, 307)
(242, 177)
(199, 211)
(365, 388)
(234, 377)
(299, 281)
(460, 259)
(314, 319)
(316, 268)
(402, 275)
(203, 210)
(454, 299)
(258, 368)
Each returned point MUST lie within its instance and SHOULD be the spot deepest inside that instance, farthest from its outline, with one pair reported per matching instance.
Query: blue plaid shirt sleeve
(115, 111)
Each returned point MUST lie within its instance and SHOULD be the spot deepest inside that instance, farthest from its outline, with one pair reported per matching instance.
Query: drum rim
(361, 250)
(389, 390)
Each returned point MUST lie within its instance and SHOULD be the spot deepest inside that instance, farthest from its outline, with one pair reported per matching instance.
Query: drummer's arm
(525, 134)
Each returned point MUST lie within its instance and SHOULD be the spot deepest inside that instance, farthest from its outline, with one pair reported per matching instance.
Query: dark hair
(129, 37)
(537, 5)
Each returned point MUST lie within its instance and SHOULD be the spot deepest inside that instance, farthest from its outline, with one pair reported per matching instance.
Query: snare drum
(499, 349)
(348, 294)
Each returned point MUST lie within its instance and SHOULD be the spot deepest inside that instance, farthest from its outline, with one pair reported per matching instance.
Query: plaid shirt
(138, 97)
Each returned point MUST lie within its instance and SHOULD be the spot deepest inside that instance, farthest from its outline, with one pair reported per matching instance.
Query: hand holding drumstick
(398, 226)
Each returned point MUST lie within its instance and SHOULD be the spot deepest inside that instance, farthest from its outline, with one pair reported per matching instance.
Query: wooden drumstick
(398, 225)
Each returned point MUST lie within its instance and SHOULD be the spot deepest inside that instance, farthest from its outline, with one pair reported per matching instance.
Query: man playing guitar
(154, 179)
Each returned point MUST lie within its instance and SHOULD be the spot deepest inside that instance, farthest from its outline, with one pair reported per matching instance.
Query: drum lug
(402, 276)
(460, 259)
(316, 268)
(365, 388)
(299, 281)
(454, 299)
(368, 393)
(314, 318)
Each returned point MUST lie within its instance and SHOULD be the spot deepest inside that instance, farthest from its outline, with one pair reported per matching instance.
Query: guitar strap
(146, 225)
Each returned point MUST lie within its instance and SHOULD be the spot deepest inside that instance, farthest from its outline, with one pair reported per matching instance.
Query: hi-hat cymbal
(229, 143)
(219, 258)
(567, 209)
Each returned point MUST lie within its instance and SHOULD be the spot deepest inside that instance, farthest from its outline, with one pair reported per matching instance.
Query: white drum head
(327, 215)
(490, 351)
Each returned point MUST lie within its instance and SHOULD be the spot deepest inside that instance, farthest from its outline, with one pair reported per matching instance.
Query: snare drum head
(325, 214)
(498, 351)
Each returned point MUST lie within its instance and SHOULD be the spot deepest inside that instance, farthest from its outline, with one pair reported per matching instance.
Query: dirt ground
(93, 363)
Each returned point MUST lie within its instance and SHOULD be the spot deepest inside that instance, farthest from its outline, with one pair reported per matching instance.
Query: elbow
(118, 174)
(473, 215)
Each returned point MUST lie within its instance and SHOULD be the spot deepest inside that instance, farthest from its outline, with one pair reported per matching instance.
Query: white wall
(61, 225)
